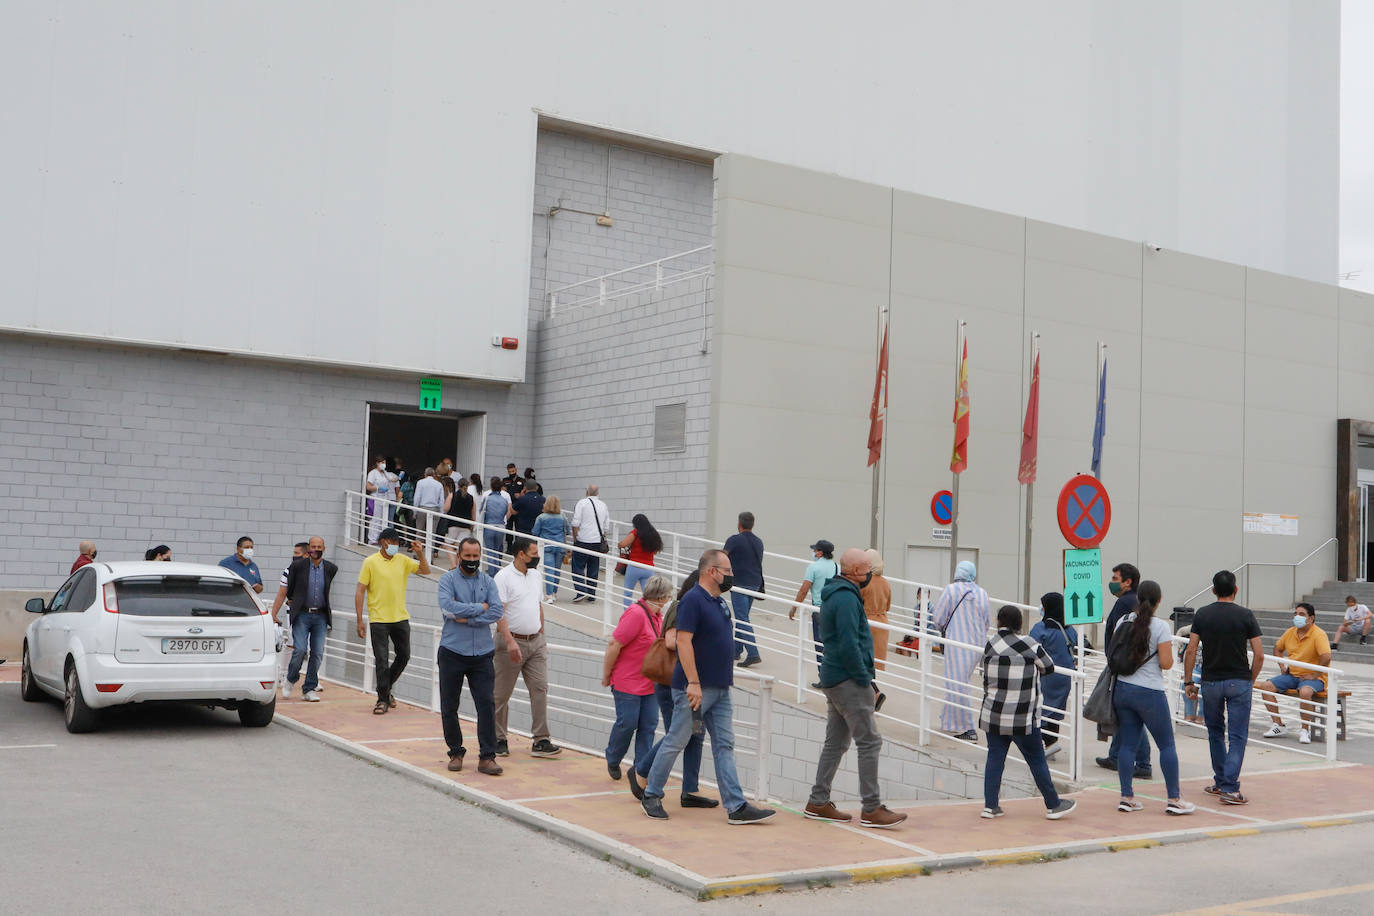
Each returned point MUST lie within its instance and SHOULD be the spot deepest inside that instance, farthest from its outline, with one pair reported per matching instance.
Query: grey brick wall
(600, 371)
(135, 447)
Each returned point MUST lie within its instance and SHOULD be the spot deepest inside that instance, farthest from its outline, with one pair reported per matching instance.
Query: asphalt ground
(180, 809)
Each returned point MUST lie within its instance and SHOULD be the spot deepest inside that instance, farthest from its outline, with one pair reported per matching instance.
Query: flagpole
(1030, 488)
(882, 439)
(954, 508)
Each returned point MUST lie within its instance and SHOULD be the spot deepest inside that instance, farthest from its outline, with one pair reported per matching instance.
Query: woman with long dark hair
(1139, 699)
(643, 542)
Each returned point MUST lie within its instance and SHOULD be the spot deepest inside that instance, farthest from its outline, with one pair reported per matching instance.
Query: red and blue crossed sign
(1085, 512)
(942, 507)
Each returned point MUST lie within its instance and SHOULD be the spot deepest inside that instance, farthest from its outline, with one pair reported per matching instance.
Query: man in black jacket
(308, 581)
(1125, 578)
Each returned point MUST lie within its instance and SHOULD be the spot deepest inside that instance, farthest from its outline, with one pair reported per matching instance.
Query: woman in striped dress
(962, 613)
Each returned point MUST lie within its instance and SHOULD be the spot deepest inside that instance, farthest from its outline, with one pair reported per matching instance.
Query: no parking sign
(1085, 512)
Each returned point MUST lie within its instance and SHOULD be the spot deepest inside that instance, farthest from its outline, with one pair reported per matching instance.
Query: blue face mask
(391, 549)
(1299, 620)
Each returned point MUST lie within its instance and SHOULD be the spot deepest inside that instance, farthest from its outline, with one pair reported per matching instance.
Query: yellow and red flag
(877, 414)
(958, 461)
(1030, 431)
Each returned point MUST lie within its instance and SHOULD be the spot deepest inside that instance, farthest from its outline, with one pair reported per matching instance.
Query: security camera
(1152, 246)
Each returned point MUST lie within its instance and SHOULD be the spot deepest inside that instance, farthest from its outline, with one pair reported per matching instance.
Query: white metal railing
(653, 275)
(588, 705)
(916, 687)
(1243, 586)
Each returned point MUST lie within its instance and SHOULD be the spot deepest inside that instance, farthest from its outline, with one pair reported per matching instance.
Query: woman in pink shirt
(636, 710)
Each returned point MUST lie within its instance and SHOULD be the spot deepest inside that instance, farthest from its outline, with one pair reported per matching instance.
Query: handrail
(1246, 565)
(659, 280)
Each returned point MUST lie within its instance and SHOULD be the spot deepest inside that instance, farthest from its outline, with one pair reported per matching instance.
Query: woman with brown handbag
(636, 713)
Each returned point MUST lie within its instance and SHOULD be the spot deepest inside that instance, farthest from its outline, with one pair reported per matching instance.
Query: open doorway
(421, 440)
(1354, 491)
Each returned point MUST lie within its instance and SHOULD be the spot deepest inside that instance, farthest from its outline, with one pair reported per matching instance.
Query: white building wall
(212, 175)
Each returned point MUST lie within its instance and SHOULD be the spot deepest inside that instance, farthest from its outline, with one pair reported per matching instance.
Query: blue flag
(1100, 424)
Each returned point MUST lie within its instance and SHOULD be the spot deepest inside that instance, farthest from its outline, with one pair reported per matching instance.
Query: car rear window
(184, 596)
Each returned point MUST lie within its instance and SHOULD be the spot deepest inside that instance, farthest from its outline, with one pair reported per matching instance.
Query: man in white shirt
(590, 522)
(378, 485)
(429, 494)
(1357, 620)
(521, 649)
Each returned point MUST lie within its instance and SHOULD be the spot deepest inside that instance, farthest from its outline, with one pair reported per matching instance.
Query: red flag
(958, 461)
(877, 414)
(1030, 431)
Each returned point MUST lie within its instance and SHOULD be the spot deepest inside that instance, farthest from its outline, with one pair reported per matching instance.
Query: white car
(120, 633)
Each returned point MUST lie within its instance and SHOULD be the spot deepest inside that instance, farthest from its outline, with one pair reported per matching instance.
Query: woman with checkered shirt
(1012, 667)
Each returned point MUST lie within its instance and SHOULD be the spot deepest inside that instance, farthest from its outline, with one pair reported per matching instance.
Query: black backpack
(1119, 654)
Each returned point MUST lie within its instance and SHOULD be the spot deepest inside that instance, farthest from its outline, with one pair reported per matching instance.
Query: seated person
(1304, 641)
(1357, 618)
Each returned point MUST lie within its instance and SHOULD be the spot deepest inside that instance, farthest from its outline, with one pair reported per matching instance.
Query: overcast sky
(1357, 146)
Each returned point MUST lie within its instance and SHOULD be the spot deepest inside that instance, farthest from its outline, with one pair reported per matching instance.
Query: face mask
(867, 579)
(390, 549)
(727, 582)
(248, 553)
(531, 563)
(93, 553)
(316, 554)
(470, 566)
(381, 466)
(1114, 587)
(1299, 620)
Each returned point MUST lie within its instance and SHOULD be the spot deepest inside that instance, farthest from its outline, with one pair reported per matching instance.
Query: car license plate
(188, 646)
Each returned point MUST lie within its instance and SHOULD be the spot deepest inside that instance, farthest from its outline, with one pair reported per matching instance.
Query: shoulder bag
(1098, 707)
(659, 661)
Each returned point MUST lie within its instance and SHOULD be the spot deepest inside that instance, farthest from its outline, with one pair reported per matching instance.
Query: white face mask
(1299, 620)
(247, 553)
(391, 549)
(381, 465)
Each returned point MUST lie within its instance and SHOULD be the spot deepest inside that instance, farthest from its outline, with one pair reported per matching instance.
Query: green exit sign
(431, 394)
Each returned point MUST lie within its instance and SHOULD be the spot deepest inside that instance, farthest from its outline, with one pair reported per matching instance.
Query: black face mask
(727, 582)
(470, 566)
(867, 579)
(532, 562)
(316, 554)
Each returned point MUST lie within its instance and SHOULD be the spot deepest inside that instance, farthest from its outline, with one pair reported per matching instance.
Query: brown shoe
(827, 812)
(455, 763)
(881, 817)
(489, 766)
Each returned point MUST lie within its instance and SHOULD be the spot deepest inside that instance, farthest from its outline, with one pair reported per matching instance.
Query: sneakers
(970, 736)
(635, 788)
(502, 748)
(1064, 807)
(1275, 731)
(1305, 736)
(545, 748)
(653, 807)
(692, 800)
(311, 697)
(614, 770)
(1364, 640)
(827, 812)
(286, 687)
(489, 766)
(1179, 808)
(1336, 647)
(745, 814)
(1053, 749)
(1233, 798)
(990, 813)
(881, 817)
(455, 763)
(1129, 805)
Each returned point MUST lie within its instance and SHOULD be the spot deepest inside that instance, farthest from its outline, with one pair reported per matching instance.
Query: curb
(703, 888)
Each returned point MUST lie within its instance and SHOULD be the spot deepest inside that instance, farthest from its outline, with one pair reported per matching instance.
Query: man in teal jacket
(847, 682)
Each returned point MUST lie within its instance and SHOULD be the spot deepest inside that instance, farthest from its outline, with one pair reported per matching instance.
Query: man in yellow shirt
(1304, 641)
(382, 582)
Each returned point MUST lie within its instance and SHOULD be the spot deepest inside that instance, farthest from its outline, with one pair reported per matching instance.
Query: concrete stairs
(1329, 600)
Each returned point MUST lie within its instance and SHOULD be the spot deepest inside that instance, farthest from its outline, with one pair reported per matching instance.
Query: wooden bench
(1319, 717)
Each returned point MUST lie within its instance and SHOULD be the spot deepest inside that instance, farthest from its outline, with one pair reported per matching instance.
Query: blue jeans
(1142, 749)
(1032, 748)
(744, 630)
(1226, 710)
(635, 576)
(1190, 706)
(816, 636)
(1137, 709)
(494, 540)
(716, 713)
(634, 715)
(691, 755)
(306, 628)
(553, 569)
(585, 570)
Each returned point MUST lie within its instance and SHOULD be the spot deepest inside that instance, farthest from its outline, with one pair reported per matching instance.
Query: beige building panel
(799, 190)
(1083, 297)
(961, 274)
(1304, 296)
(798, 244)
(1192, 316)
(1281, 336)
(787, 308)
(1076, 248)
(916, 214)
(1195, 371)
(1186, 271)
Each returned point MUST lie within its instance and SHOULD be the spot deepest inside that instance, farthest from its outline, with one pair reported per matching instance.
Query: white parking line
(22, 747)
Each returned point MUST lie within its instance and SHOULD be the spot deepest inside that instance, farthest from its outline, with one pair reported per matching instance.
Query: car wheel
(79, 716)
(28, 687)
(257, 715)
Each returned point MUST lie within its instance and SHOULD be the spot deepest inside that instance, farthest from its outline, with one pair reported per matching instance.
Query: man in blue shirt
(701, 692)
(746, 557)
(470, 604)
(242, 563)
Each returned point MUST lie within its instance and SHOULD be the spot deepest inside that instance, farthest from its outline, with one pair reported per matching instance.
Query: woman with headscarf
(962, 614)
(1060, 642)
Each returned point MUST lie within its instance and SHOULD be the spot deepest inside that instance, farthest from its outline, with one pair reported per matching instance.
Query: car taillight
(111, 602)
(267, 685)
(108, 688)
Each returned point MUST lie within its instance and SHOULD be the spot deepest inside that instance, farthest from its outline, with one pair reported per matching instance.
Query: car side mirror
(35, 606)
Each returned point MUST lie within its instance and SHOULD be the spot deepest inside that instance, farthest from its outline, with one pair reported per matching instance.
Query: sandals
(381, 708)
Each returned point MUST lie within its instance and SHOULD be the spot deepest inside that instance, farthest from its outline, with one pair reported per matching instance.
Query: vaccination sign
(1083, 586)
